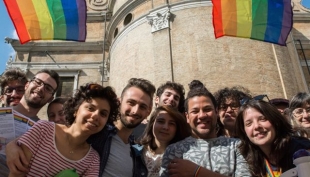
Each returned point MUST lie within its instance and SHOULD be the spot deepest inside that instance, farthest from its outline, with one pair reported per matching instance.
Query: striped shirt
(46, 159)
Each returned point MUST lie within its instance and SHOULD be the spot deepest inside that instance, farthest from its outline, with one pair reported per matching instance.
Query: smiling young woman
(166, 126)
(267, 138)
(87, 112)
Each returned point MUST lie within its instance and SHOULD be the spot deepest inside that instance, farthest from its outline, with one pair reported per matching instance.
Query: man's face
(169, 97)
(135, 107)
(201, 117)
(39, 91)
(12, 93)
(281, 108)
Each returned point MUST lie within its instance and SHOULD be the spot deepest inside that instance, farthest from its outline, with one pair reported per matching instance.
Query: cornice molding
(65, 66)
(98, 16)
(301, 17)
(58, 46)
(305, 44)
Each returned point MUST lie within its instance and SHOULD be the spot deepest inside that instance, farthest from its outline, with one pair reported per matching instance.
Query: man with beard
(203, 154)
(119, 155)
(12, 85)
(38, 91)
(169, 93)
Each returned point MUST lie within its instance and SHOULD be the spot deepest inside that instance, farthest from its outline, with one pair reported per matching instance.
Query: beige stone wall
(95, 30)
(118, 4)
(196, 54)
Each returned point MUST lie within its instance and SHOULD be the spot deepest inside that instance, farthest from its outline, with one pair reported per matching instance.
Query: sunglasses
(258, 97)
(94, 86)
(105, 90)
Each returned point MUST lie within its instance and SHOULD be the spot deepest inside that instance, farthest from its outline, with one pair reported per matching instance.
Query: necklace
(71, 152)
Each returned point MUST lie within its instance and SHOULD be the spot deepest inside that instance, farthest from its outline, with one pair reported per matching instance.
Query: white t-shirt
(120, 163)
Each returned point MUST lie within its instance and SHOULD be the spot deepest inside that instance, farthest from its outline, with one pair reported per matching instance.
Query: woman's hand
(16, 159)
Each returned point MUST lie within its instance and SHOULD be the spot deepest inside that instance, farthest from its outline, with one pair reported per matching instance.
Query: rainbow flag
(48, 19)
(265, 20)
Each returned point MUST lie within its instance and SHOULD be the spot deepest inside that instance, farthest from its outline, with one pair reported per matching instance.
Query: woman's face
(164, 128)
(93, 115)
(302, 116)
(228, 113)
(56, 114)
(258, 129)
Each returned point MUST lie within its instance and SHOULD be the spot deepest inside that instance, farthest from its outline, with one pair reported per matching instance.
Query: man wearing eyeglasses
(38, 91)
(12, 85)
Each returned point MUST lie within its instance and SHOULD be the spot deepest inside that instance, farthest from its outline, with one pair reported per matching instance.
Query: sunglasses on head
(93, 87)
(105, 90)
(258, 97)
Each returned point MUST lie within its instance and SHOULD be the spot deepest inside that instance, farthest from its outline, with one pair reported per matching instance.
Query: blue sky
(7, 30)
(306, 3)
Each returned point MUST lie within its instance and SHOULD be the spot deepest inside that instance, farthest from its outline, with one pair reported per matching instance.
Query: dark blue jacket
(101, 142)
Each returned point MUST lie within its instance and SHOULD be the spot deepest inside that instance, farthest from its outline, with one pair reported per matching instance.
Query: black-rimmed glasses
(18, 89)
(258, 97)
(233, 106)
(38, 82)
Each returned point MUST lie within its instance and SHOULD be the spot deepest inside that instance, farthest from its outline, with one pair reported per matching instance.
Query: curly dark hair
(86, 94)
(143, 84)
(12, 75)
(173, 86)
(283, 135)
(183, 129)
(236, 94)
(196, 88)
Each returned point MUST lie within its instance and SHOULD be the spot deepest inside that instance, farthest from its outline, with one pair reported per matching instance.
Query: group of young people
(229, 133)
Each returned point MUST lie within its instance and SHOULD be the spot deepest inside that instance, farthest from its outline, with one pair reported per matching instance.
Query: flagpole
(279, 70)
(103, 57)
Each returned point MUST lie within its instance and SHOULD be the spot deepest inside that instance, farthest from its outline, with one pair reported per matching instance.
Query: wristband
(197, 171)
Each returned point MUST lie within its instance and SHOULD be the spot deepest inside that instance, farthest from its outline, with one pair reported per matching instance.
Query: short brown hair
(12, 75)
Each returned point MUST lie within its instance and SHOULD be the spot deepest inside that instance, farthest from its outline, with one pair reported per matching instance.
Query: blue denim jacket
(101, 142)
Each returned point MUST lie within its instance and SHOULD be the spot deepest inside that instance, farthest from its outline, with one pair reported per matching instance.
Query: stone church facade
(163, 40)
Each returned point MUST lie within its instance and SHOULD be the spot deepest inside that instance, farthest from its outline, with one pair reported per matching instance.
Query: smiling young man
(171, 94)
(203, 154)
(38, 92)
(119, 155)
(12, 85)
